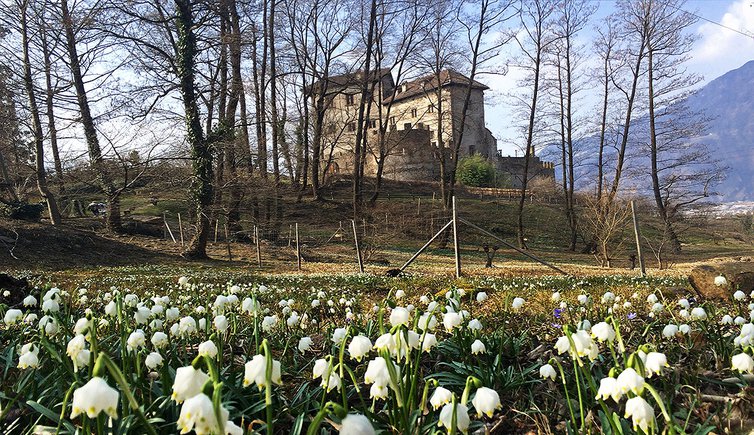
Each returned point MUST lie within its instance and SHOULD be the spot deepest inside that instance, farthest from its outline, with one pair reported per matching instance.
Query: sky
(717, 51)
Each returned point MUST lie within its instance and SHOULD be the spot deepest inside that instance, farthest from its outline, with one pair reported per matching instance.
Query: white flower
(727, 320)
(475, 325)
(172, 314)
(547, 371)
(153, 360)
(609, 388)
(400, 294)
(427, 322)
(75, 346)
(739, 295)
(81, 326)
(603, 332)
(159, 339)
(451, 321)
(641, 413)
(399, 316)
(684, 303)
(359, 347)
(12, 316)
(486, 401)
(208, 348)
(221, 323)
(50, 306)
(29, 357)
(338, 335)
(555, 297)
(440, 397)
(377, 372)
(142, 315)
(30, 301)
(136, 341)
(629, 380)
(462, 417)
(698, 313)
(685, 329)
(49, 325)
(188, 383)
(654, 363)
(583, 299)
(356, 424)
(95, 397)
(478, 347)
(293, 320)
(183, 281)
(269, 323)
(652, 298)
(743, 363)
(186, 326)
(657, 307)
(669, 331)
(720, 281)
(255, 371)
(430, 340)
(198, 414)
(481, 297)
(608, 298)
(304, 344)
(517, 303)
(202, 324)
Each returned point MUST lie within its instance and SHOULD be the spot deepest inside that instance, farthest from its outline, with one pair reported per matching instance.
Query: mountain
(729, 100)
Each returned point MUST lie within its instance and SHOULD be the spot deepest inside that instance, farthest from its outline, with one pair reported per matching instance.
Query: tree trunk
(44, 191)
(200, 149)
(90, 132)
(52, 129)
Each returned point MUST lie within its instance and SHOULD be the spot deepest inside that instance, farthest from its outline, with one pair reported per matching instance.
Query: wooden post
(638, 241)
(290, 238)
(358, 250)
(259, 249)
(298, 250)
(165, 219)
(217, 222)
(180, 228)
(227, 242)
(456, 246)
(419, 207)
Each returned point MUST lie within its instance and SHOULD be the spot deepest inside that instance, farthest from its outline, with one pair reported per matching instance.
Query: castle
(415, 117)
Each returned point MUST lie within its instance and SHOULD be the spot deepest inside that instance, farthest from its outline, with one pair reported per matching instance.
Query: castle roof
(425, 84)
(340, 83)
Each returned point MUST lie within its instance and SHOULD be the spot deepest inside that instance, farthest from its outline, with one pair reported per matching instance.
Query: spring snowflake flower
(629, 380)
(609, 388)
(669, 331)
(603, 332)
(377, 372)
(172, 314)
(652, 298)
(641, 413)
(159, 340)
(430, 340)
(400, 294)
(583, 299)
(486, 401)
(255, 371)
(293, 320)
(95, 397)
(481, 296)
(547, 371)
(698, 313)
(136, 341)
(684, 329)
(142, 315)
(555, 297)
(399, 316)
(338, 335)
(451, 321)
(517, 303)
(657, 307)
(221, 323)
(684, 303)
(727, 320)
(188, 383)
(30, 301)
(720, 281)
(50, 306)
(208, 348)
(12, 316)
(739, 295)
(356, 424)
(198, 414)
(743, 363)
(186, 326)
(153, 360)
(182, 281)
(29, 357)
(654, 362)
(608, 298)
(304, 344)
(359, 347)
(478, 347)
(475, 325)
(49, 325)
(427, 322)
(440, 397)
(462, 417)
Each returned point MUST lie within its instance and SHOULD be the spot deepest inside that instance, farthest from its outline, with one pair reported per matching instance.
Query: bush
(476, 171)
(22, 211)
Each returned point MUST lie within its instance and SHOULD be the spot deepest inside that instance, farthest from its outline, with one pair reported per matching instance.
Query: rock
(740, 276)
(18, 289)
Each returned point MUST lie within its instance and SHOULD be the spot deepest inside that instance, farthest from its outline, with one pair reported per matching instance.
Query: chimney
(404, 87)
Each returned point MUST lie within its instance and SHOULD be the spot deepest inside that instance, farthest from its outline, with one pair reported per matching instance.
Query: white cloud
(720, 49)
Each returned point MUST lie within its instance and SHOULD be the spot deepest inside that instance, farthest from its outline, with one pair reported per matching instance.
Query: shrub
(476, 171)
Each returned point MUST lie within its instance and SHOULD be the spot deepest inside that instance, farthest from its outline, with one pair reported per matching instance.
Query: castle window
(420, 126)
(434, 144)
(407, 126)
(372, 123)
(349, 100)
(472, 150)
(431, 109)
(414, 113)
(331, 129)
(432, 134)
(351, 127)
(392, 120)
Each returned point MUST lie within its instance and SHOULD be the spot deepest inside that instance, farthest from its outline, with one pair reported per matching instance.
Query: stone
(740, 276)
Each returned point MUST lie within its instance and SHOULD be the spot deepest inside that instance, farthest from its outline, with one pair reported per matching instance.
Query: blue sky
(717, 50)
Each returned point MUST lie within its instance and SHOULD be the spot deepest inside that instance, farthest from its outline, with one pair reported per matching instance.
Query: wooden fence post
(456, 246)
(358, 250)
(259, 249)
(180, 228)
(165, 219)
(298, 251)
